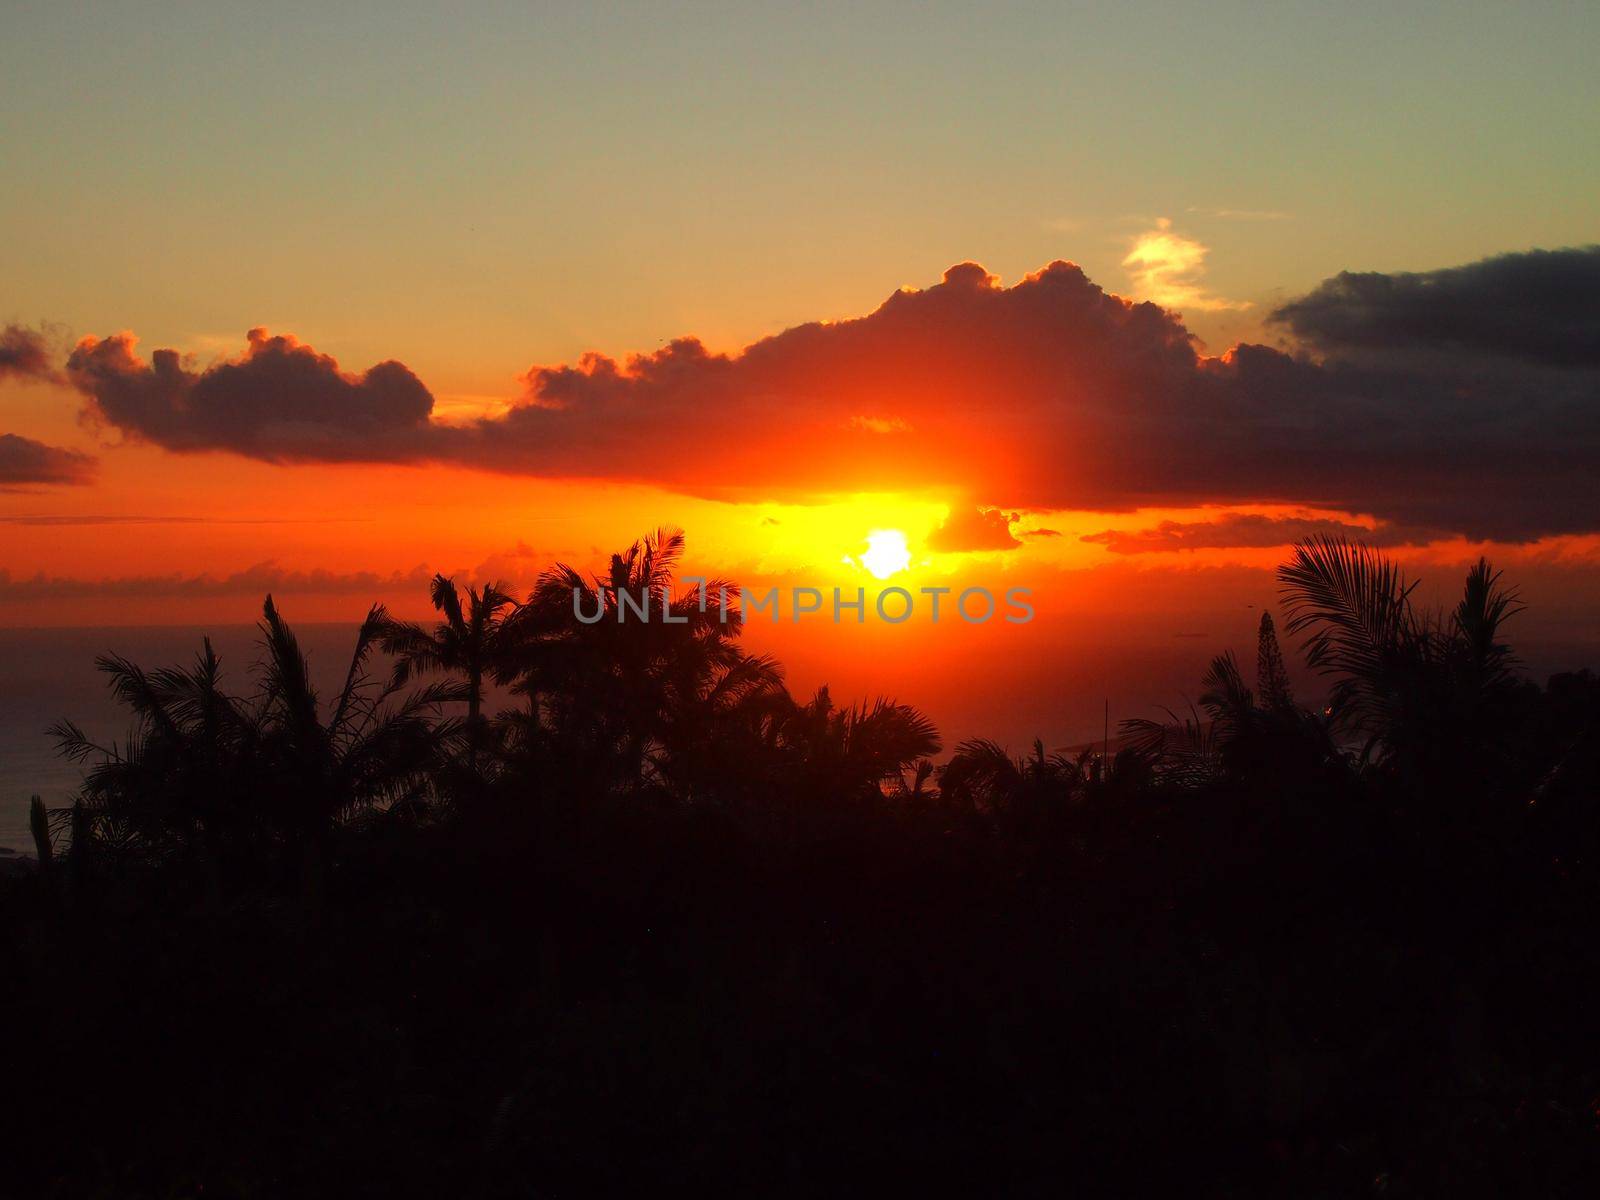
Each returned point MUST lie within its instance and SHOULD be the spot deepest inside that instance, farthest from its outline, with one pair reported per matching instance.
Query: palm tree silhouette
(372, 751)
(189, 778)
(852, 753)
(1423, 694)
(624, 694)
(205, 773)
(983, 774)
(1236, 733)
(1422, 689)
(466, 642)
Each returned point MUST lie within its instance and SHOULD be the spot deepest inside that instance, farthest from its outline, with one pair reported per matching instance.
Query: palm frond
(1477, 620)
(442, 591)
(1354, 609)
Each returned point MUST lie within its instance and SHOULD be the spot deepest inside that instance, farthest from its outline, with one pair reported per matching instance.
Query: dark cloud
(974, 529)
(24, 461)
(1040, 533)
(1240, 530)
(24, 354)
(282, 401)
(1047, 394)
(1540, 307)
(253, 581)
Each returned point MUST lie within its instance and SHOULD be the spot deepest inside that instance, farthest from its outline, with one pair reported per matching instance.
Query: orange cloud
(1242, 530)
(1047, 394)
(968, 530)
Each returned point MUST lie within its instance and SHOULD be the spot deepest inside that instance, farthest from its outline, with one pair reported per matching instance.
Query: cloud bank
(253, 581)
(1047, 394)
(1540, 308)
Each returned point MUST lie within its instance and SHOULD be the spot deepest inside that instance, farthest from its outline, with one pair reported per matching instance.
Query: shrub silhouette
(660, 923)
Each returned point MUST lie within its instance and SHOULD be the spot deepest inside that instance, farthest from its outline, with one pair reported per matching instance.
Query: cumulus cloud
(968, 530)
(1241, 530)
(1541, 307)
(1048, 394)
(281, 401)
(24, 461)
(24, 354)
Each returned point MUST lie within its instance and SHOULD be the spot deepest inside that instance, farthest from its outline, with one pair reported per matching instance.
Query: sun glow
(886, 553)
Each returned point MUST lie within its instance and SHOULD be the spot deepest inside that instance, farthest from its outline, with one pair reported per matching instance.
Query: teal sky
(474, 189)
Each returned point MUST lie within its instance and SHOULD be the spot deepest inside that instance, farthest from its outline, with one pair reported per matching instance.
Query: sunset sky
(323, 303)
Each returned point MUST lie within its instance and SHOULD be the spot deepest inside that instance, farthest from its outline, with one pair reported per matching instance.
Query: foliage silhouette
(465, 642)
(660, 923)
(209, 775)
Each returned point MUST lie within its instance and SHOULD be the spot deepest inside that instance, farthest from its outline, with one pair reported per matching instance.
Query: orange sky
(1112, 303)
(195, 539)
(1041, 434)
(1044, 436)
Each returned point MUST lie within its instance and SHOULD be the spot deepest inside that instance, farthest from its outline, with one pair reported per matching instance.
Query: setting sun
(886, 553)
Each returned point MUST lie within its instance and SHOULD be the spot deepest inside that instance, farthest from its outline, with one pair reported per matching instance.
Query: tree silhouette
(465, 642)
(633, 697)
(789, 936)
(1425, 691)
(851, 753)
(982, 774)
(207, 774)
(1272, 677)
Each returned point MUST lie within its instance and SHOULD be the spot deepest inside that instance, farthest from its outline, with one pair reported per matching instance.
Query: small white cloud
(1167, 267)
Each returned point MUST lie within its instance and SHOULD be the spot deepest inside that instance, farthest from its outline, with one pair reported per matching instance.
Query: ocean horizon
(51, 676)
